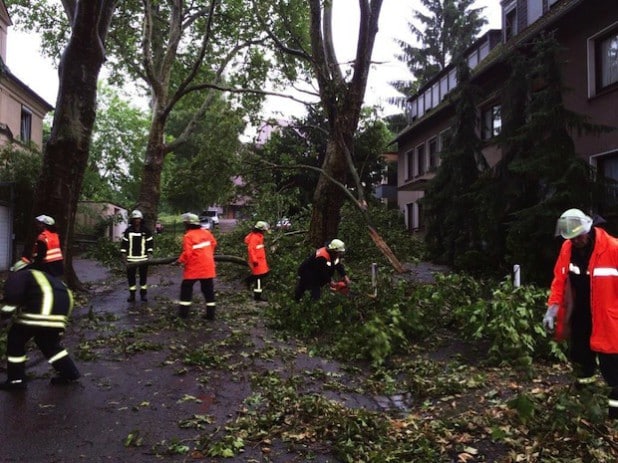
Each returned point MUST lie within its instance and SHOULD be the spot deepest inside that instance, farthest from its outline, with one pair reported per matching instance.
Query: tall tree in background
(116, 151)
(202, 168)
(341, 94)
(554, 178)
(65, 156)
(448, 28)
(453, 232)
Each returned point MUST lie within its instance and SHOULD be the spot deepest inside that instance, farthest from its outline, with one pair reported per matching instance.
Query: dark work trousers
(143, 277)
(47, 340)
(608, 364)
(303, 284)
(583, 359)
(208, 289)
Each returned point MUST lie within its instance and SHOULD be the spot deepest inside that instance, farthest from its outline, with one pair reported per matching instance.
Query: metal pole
(516, 275)
(374, 278)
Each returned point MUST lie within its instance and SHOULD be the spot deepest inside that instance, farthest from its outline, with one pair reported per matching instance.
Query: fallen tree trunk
(171, 260)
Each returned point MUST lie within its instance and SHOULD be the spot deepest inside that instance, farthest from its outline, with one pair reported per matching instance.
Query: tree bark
(342, 101)
(66, 153)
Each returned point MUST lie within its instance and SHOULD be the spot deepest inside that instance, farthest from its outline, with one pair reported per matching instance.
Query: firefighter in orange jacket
(40, 306)
(256, 251)
(47, 253)
(582, 302)
(198, 258)
(318, 270)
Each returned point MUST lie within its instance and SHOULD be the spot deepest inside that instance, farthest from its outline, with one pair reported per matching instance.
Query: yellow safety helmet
(573, 223)
(47, 220)
(336, 245)
(190, 218)
(261, 225)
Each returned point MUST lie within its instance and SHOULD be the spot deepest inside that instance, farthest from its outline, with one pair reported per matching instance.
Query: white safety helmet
(573, 223)
(336, 245)
(261, 225)
(47, 220)
(20, 265)
(190, 218)
(137, 214)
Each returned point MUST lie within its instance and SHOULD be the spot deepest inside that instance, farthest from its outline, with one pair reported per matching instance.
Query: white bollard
(374, 278)
(516, 275)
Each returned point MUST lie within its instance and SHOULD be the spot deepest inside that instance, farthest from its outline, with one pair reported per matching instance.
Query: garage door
(5, 238)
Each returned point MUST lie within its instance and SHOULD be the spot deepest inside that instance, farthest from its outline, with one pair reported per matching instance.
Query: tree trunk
(150, 188)
(66, 153)
(328, 197)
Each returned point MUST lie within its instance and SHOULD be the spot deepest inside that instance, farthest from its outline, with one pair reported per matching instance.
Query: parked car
(207, 223)
(284, 223)
(213, 215)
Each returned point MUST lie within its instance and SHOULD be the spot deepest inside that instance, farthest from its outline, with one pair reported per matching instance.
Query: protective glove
(549, 320)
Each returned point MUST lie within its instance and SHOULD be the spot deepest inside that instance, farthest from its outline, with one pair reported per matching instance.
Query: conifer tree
(452, 227)
(552, 177)
(446, 30)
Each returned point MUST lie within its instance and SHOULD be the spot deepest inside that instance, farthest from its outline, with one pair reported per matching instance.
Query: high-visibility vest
(198, 254)
(603, 272)
(52, 241)
(137, 245)
(256, 251)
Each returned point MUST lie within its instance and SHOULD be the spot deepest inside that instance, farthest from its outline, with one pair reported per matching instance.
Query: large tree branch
(298, 52)
(329, 49)
(197, 64)
(361, 205)
(147, 58)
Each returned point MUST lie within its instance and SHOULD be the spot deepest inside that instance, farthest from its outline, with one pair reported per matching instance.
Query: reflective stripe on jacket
(137, 245)
(603, 272)
(38, 299)
(198, 254)
(256, 251)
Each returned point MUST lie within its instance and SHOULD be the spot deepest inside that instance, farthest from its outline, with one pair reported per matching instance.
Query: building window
(432, 147)
(443, 87)
(420, 160)
(414, 216)
(606, 58)
(491, 120)
(510, 23)
(409, 164)
(412, 110)
(25, 128)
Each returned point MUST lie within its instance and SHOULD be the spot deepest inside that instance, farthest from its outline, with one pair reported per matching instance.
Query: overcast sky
(25, 61)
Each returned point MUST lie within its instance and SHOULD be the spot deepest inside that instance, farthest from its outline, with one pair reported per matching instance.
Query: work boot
(131, 296)
(14, 385)
(612, 411)
(210, 313)
(63, 381)
(142, 295)
(584, 383)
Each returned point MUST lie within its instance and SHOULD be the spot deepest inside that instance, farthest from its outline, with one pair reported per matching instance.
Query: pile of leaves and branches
(458, 370)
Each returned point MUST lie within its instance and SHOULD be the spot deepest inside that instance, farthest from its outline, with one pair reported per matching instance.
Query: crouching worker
(318, 270)
(40, 305)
